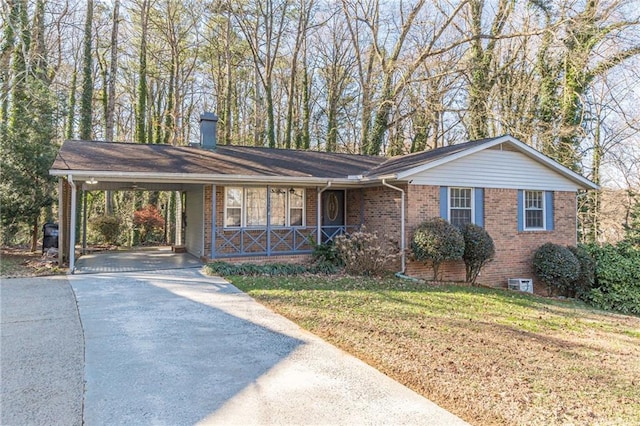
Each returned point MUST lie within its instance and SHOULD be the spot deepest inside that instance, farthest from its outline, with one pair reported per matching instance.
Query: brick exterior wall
(378, 208)
(514, 249)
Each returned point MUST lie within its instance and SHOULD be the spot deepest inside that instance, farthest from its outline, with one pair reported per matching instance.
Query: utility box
(49, 236)
(521, 284)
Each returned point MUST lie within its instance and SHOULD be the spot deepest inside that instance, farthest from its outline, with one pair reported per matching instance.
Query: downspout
(319, 212)
(402, 239)
(72, 226)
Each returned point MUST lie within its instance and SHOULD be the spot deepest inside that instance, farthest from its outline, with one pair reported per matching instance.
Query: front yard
(489, 356)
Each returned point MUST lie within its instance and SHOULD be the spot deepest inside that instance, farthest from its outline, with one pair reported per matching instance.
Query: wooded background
(358, 76)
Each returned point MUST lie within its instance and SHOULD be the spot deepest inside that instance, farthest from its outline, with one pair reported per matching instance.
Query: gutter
(402, 238)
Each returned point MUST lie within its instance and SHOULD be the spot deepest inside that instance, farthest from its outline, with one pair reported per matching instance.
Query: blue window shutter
(479, 206)
(444, 202)
(548, 207)
(520, 210)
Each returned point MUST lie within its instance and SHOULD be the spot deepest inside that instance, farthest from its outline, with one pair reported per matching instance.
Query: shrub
(436, 241)
(586, 278)
(363, 254)
(617, 280)
(271, 269)
(149, 220)
(556, 266)
(478, 250)
(107, 226)
(327, 253)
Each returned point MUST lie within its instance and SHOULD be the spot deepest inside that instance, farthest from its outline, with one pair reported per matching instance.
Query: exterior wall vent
(521, 284)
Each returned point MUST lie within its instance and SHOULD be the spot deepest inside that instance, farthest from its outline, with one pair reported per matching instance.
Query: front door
(332, 214)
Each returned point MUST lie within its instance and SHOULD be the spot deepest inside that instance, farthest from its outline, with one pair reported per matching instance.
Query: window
(460, 206)
(233, 207)
(296, 206)
(534, 210)
(248, 206)
(256, 204)
(278, 202)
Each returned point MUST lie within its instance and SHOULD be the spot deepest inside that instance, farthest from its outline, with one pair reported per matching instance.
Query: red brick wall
(514, 249)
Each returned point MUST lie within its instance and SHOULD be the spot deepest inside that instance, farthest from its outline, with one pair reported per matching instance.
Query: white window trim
(243, 207)
(524, 210)
(226, 207)
(304, 208)
(473, 203)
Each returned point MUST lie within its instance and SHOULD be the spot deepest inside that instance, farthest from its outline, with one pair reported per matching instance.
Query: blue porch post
(213, 221)
(268, 220)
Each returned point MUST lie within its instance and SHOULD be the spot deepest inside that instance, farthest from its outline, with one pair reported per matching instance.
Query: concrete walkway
(175, 347)
(41, 353)
(147, 259)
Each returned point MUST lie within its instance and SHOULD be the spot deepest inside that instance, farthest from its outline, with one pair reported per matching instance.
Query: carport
(95, 180)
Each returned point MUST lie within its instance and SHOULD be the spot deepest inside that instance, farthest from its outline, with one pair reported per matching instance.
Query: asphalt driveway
(176, 347)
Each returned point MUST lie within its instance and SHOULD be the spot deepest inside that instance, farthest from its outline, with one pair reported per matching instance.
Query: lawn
(489, 356)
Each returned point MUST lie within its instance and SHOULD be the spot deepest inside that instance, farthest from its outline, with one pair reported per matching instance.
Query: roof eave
(199, 178)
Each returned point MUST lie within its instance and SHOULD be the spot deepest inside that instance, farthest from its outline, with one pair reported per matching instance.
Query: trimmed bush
(436, 241)
(363, 254)
(617, 280)
(270, 269)
(581, 287)
(556, 266)
(478, 250)
(107, 226)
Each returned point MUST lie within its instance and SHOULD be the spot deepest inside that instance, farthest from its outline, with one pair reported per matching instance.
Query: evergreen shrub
(436, 241)
(556, 266)
(479, 250)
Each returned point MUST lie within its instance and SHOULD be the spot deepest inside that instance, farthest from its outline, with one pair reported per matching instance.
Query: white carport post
(61, 223)
(72, 226)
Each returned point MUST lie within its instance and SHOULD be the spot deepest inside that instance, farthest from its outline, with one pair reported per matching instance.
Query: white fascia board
(197, 178)
(524, 148)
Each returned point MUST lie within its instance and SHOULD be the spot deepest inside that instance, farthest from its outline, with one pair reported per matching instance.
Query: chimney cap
(208, 116)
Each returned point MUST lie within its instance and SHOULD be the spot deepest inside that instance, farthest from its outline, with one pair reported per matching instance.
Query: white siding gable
(494, 168)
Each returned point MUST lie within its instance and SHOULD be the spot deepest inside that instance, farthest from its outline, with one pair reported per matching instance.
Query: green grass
(490, 356)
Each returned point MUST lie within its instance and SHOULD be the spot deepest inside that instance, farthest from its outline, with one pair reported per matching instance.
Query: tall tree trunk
(141, 107)
(86, 107)
(113, 70)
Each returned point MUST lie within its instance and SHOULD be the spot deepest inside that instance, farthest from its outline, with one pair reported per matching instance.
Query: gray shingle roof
(405, 162)
(75, 155)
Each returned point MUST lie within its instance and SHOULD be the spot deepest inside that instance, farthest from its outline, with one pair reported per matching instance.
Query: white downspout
(319, 212)
(402, 240)
(72, 226)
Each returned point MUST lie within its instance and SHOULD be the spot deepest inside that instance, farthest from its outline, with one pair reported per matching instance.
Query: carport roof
(129, 158)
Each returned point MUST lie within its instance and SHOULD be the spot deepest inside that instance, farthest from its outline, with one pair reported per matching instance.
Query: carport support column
(61, 223)
(213, 222)
(72, 226)
(178, 218)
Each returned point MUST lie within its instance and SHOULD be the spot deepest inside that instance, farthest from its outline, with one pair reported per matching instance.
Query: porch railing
(237, 242)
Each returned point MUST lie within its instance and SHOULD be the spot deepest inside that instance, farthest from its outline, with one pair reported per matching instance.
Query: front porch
(245, 242)
(274, 220)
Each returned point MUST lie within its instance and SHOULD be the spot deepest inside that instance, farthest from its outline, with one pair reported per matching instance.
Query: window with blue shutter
(462, 205)
(535, 210)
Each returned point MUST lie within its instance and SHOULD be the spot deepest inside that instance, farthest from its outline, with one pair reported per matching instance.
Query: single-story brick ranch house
(256, 204)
